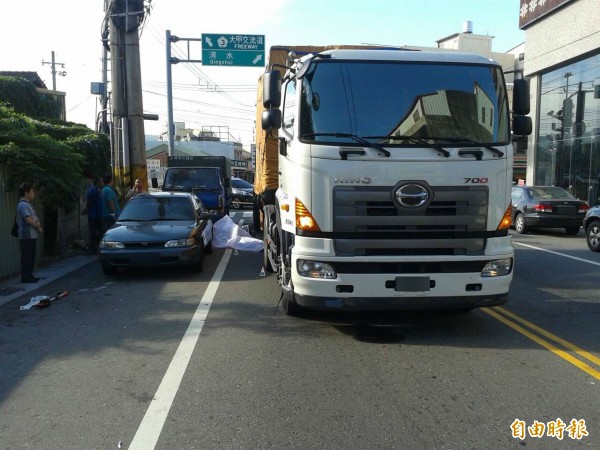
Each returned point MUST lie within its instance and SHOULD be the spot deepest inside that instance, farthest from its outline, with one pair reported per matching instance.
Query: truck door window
(289, 107)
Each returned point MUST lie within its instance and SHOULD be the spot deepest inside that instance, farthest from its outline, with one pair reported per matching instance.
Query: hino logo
(412, 195)
(352, 180)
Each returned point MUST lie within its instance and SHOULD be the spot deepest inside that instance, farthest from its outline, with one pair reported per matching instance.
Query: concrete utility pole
(53, 65)
(104, 96)
(129, 149)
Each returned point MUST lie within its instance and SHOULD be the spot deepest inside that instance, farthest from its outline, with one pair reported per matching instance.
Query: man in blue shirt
(110, 203)
(93, 208)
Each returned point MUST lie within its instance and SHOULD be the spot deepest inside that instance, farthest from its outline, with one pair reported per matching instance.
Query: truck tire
(269, 217)
(255, 214)
(290, 307)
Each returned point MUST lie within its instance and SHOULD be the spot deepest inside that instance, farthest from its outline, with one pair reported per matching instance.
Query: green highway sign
(246, 50)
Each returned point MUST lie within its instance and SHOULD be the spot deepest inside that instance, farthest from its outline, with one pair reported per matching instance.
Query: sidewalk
(12, 288)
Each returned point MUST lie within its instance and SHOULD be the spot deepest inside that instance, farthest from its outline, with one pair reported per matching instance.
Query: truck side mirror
(272, 89)
(521, 101)
(271, 119)
(522, 125)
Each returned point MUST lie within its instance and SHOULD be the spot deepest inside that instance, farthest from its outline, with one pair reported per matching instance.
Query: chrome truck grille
(367, 222)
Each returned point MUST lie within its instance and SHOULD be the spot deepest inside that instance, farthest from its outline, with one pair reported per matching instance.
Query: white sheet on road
(226, 233)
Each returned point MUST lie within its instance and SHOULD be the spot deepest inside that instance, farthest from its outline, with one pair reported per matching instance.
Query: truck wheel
(592, 236)
(290, 307)
(520, 224)
(235, 203)
(255, 215)
(268, 220)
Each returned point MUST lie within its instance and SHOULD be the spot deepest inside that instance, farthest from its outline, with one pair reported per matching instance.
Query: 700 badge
(475, 180)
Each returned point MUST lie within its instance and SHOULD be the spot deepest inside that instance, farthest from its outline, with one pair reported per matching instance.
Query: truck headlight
(180, 243)
(497, 268)
(316, 269)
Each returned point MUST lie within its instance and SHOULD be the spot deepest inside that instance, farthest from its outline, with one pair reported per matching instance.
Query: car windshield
(157, 208)
(380, 101)
(548, 192)
(241, 184)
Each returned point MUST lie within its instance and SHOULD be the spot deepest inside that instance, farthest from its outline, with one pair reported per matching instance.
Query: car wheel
(520, 224)
(108, 270)
(235, 203)
(199, 266)
(572, 230)
(593, 236)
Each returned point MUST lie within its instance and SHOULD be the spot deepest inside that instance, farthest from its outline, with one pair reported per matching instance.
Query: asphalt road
(174, 359)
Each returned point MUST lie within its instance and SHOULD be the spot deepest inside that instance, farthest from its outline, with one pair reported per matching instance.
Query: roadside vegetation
(36, 146)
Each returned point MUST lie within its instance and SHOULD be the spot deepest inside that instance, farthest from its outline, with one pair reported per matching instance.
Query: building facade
(562, 62)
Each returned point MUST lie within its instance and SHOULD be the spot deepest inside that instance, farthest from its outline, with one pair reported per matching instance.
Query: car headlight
(316, 269)
(181, 242)
(497, 268)
(111, 244)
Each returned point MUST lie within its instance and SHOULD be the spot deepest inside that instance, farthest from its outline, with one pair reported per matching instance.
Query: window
(289, 107)
(568, 150)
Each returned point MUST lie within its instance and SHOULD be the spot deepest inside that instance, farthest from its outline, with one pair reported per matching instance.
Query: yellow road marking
(563, 354)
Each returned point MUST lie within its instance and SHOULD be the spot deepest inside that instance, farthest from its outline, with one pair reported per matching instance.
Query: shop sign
(532, 10)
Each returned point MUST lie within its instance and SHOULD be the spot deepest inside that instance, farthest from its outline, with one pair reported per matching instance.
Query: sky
(208, 96)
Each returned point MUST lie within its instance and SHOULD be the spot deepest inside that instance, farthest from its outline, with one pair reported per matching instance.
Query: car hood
(149, 231)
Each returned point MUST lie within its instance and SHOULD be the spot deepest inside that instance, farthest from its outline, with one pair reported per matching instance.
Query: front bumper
(155, 257)
(396, 303)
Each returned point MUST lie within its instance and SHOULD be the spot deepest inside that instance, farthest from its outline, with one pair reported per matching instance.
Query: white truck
(383, 178)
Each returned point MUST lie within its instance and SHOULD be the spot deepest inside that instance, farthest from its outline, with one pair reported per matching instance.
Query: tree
(53, 155)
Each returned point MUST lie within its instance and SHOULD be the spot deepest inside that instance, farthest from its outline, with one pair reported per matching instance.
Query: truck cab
(209, 177)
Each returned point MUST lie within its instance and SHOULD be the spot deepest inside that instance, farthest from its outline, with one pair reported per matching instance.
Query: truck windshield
(386, 101)
(188, 178)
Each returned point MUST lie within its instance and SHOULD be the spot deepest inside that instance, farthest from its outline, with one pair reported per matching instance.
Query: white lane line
(557, 253)
(151, 426)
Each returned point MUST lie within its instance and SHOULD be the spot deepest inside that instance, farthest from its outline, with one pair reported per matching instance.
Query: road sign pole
(170, 124)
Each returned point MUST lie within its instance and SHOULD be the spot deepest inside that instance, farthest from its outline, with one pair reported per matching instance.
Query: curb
(12, 288)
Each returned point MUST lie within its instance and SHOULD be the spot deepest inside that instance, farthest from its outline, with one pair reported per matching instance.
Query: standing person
(29, 228)
(110, 203)
(138, 188)
(93, 209)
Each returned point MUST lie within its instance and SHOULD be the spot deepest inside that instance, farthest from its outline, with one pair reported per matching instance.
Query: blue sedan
(156, 230)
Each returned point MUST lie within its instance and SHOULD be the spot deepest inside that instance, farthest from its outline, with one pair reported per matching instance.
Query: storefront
(562, 61)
